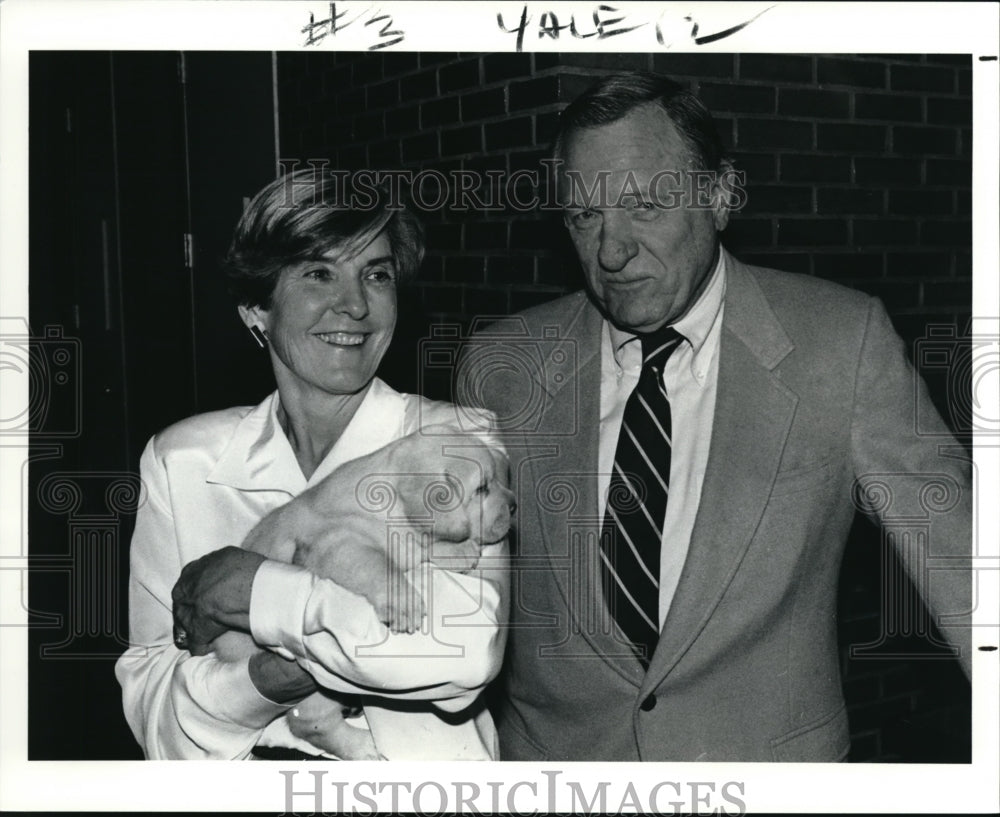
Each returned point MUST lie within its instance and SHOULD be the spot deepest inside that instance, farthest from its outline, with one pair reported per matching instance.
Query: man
(758, 407)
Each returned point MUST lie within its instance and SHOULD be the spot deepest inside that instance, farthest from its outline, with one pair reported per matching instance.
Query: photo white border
(25, 25)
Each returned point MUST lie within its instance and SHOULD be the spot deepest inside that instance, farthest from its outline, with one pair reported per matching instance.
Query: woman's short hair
(614, 97)
(302, 216)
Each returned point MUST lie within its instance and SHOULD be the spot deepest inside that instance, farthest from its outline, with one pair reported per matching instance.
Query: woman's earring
(259, 335)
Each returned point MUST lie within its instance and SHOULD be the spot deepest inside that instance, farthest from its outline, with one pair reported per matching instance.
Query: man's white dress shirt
(690, 378)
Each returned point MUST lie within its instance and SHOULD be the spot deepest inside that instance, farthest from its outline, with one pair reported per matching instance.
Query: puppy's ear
(452, 508)
(405, 464)
(448, 494)
(429, 496)
(411, 489)
(454, 483)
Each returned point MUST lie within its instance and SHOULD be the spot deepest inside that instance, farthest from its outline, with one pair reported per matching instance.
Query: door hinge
(188, 251)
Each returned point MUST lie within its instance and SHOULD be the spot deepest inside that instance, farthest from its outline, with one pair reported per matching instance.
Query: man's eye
(483, 490)
(581, 219)
(644, 210)
(317, 273)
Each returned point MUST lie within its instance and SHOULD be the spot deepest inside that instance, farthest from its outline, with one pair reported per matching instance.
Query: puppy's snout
(508, 498)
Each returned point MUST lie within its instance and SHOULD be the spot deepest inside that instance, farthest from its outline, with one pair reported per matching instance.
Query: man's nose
(618, 245)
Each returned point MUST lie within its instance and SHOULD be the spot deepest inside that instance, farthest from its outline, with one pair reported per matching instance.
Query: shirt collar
(377, 422)
(695, 325)
(259, 456)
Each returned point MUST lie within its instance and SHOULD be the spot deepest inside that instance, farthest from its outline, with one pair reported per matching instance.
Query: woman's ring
(180, 638)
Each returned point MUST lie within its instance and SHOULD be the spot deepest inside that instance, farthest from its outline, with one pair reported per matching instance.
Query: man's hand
(212, 596)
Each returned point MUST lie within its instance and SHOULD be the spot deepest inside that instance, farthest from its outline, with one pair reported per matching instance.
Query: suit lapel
(753, 415)
(573, 403)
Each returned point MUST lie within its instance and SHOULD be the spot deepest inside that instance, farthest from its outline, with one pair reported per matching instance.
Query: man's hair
(614, 97)
(302, 216)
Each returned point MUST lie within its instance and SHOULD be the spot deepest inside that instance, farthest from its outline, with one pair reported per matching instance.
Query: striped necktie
(637, 501)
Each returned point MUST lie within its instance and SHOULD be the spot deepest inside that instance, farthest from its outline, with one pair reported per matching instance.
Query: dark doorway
(140, 163)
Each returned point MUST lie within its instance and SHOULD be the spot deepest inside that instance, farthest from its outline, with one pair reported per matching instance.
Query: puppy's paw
(407, 616)
(399, 605)
(461, 557)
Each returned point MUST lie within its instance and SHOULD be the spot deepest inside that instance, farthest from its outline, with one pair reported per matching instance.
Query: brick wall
(858, 170)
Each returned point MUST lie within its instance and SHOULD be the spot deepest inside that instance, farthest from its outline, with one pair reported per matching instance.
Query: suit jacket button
(648, 704)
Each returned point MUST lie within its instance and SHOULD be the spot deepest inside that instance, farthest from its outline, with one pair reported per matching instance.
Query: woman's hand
(212, 596)
(279, 680)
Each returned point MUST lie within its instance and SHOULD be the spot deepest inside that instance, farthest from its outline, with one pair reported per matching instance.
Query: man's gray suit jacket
(818, 413)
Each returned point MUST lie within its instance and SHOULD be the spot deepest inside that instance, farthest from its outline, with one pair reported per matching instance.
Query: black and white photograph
(614, 403)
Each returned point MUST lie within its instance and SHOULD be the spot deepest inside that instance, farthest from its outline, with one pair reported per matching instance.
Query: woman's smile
(342, 338)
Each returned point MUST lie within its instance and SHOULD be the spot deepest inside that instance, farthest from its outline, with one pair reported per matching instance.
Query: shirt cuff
(234, 696)
(278, 600)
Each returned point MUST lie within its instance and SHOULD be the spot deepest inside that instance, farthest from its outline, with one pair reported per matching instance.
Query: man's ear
(728, 194)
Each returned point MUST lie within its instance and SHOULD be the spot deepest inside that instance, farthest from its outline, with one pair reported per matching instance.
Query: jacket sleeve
(336, 636)
(914, 477)
(177, 705)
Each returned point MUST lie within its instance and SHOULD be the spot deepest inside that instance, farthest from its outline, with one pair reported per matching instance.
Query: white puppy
(437, 495)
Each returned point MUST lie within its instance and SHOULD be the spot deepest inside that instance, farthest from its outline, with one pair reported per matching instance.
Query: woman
(317, 288)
